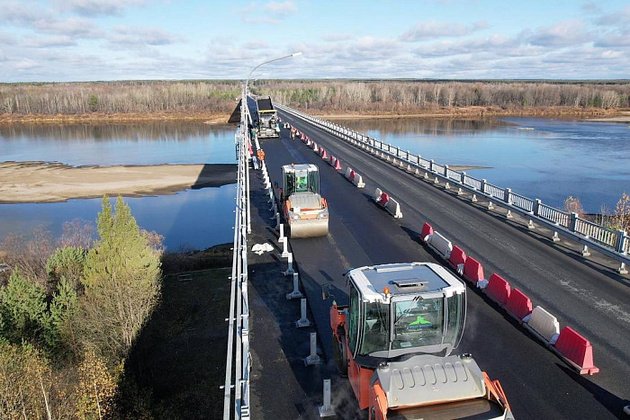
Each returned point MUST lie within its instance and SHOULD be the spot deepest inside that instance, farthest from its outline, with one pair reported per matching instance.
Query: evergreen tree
(66, 262)
(23, 308)
(121, 280)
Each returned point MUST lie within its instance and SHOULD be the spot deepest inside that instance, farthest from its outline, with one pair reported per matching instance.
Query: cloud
(282, 8)
(126, 36)
(97, 7)
(337, 37)
(620, 18)
(562, 34)
(267, 13)
(434, 29)
(48, 42)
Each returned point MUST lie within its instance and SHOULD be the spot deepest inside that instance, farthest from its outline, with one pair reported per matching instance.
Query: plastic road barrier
(354, 177)
(427, 231)
(384, 200)
(544, 325)
(457, 259)
(441, 245)
(473, 272)
(518, 304)
(576, 350)
(498, 289)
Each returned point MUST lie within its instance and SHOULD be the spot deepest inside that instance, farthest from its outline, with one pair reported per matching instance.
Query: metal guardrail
(237, 363)
(610, 242)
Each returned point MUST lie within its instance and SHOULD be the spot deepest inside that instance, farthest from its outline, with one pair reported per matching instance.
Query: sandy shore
(30, 182)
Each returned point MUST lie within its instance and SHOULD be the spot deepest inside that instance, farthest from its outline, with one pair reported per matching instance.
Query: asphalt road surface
(588, 297)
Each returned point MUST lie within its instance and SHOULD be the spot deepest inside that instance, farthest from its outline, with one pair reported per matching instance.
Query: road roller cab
(305, 210)
(394, 342)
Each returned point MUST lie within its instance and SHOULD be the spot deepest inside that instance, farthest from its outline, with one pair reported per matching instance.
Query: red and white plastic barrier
(335, 163)
(441, 245)
(576, 350)
(427, 231)
(457, 259)
(498, 289)
(384, 200)
(543, 324)
(324, 154)
(568, 344)
(519, 305)
(354, 177)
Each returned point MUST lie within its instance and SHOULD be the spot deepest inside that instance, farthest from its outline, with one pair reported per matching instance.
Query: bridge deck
(537, 383)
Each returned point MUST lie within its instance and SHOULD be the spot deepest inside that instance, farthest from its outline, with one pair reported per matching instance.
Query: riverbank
(36, 182)
(470, 112)
(114, 118)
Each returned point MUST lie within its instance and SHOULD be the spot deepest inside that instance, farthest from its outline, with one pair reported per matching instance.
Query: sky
(87, 40)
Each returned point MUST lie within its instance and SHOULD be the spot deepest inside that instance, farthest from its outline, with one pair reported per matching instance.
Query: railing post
(536, 207)
(622, 237)
(463, 178)
(446, 171)
(483, 186)
(573, 221)
(431, 165)
(507, 197)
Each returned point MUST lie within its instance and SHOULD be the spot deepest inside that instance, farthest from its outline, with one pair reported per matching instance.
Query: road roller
(305, 210)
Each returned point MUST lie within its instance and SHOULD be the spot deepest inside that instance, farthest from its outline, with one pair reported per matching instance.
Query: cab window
(418, 323)
(353, 322)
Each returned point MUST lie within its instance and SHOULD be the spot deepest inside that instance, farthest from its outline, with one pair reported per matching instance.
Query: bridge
(578, 279)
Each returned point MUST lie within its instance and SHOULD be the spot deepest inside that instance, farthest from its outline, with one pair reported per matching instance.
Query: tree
(121, 282)
(97, 388)
(23, 308)
(66, 262)
(25, 382)
(60, 334)
(573, 205)
(621, 219)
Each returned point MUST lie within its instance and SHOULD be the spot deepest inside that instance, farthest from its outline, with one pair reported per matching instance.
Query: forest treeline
(70, 311)
(118, 97)
(406, 96)
(352, 96)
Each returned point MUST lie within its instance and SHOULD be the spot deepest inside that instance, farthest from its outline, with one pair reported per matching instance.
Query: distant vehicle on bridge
(268, 124)
(394, 342)
(305, 210)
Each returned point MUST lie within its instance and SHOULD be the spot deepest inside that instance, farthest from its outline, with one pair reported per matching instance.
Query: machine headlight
(295, 217)
(322, 216)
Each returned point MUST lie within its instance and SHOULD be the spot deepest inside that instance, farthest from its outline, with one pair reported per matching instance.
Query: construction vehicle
(394, 341)
(305, 211)
(268, 121)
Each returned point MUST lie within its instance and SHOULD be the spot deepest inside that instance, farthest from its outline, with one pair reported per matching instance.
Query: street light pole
(248, 145)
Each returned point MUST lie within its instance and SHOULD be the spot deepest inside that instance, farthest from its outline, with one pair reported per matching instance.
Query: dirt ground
(178, 361)
(24, 182)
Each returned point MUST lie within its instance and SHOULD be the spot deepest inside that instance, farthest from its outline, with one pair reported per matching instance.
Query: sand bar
(31, 182)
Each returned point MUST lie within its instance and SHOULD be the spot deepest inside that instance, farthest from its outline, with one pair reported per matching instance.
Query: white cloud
(97, 7)
(434, 29)
(282, 8)
(562, 34)
(126, 36)
(48, 42)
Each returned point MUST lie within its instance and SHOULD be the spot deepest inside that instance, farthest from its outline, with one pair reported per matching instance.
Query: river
(539, 158)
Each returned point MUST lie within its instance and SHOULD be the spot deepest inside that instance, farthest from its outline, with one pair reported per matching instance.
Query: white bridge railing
(237, 363)
(611, 242)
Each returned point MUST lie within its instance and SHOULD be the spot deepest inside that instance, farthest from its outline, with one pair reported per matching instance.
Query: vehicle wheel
(341, 355)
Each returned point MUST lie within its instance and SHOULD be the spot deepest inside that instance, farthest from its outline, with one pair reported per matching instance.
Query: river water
(191, 219)
(538, 158)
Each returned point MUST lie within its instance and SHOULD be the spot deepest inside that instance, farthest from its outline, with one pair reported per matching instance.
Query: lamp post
(246, 91)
